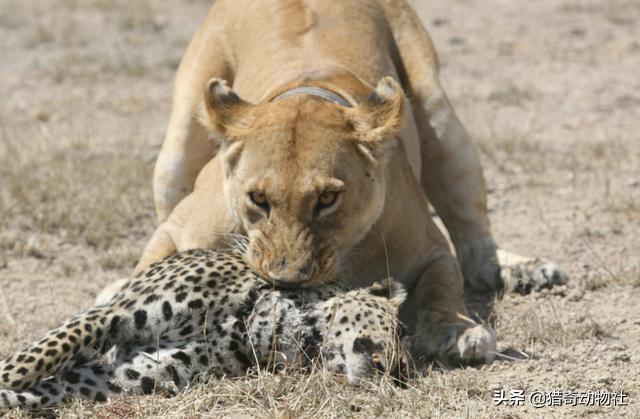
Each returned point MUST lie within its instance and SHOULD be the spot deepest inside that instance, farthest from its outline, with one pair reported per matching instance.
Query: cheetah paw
(524, 275)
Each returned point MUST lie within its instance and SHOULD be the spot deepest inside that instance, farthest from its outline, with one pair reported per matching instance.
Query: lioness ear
(380, 115)
(225, 112)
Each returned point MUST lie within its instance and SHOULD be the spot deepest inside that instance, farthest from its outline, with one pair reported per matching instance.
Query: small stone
(575, 294)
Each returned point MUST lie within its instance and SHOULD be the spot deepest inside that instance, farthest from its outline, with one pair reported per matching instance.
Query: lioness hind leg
(524, 274)
(452, 176)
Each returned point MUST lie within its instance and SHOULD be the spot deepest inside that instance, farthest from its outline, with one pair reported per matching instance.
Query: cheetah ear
(378, 118)
(391, 289)
(225, 114)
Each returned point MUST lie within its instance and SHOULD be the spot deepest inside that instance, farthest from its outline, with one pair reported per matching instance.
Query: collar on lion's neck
(320, 92)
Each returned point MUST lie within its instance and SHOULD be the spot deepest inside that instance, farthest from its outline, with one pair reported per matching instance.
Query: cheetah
(204, 313)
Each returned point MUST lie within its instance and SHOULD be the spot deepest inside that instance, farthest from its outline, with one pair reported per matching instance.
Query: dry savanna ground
(549, 89)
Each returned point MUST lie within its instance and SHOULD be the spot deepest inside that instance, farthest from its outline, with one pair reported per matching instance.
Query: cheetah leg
(88, 380)
(56, 351)
(45, 394)
(524, 274)
(146, 370)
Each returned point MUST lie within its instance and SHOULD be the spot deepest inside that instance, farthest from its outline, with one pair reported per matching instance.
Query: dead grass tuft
(297, 395)
(50, 190)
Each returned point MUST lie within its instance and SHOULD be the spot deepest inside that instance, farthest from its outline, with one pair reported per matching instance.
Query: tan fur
(382, 155)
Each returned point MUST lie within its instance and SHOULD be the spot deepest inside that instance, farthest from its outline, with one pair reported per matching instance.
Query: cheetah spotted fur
(197, 314)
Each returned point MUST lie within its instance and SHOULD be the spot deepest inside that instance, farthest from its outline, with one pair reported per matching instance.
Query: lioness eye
(259, 199)
(326, 199)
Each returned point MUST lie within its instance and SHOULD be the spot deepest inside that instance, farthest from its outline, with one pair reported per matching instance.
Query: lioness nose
(284, 272)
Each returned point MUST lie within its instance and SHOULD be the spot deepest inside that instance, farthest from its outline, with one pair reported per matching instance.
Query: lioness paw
(475, 345)
(454, 345)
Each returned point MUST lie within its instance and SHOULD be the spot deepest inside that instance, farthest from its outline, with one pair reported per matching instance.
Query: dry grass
(298, 396)
(38, 180)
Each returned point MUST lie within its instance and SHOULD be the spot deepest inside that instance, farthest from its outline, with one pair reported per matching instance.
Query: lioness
(323, 163)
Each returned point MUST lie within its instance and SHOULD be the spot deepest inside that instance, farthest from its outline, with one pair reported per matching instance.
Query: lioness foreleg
(161, 245)
(441, 326)
(185, 149)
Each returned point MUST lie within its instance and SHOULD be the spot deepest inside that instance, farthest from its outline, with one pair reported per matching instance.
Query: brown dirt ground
(549, 89)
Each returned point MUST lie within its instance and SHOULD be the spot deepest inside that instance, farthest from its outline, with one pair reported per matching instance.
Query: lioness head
(304, 177)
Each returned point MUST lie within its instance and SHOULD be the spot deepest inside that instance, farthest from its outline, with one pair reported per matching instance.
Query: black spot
(97, 369)
(242, 358)
(150, 299)
(193, 278)
(131, 374)
(115, 389)
(147, 384)
(51, 352)
(175, 377)
(180, 297)
(310, 320)
(195, 304)
(114, 325)
(344, 319)
(365, 345)
(187, 330)
(140, 318)
(100, 397)
(71, 377)
(167, 311)
(181, 356)
(85, 391)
